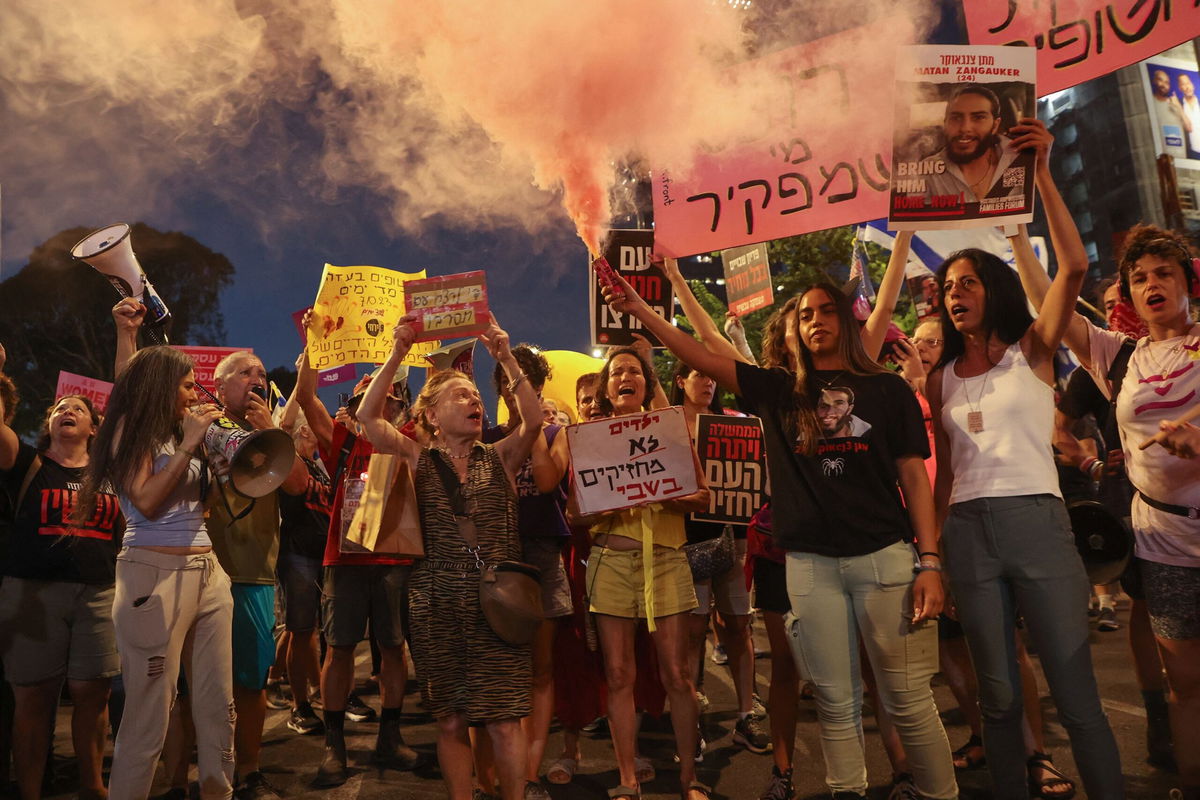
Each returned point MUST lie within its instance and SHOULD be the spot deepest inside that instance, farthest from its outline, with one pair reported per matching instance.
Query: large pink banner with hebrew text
(822, 158)
(1078, 40)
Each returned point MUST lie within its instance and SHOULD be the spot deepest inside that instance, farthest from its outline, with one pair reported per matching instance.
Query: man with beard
(1175, 126)
(976, 154)
(836, 412)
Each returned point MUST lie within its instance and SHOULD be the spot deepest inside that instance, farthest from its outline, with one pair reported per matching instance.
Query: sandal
(1053, 777)
(643, 770)
(962, 756)
(562, 770)
(624, 791)
(697, 786)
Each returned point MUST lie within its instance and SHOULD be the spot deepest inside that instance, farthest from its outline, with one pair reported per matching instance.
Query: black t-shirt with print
(845, 500)
(43, 545)
(304, 518)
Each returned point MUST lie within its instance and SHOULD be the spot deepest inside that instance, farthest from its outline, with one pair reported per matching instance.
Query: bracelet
(1096, 470)
(922, 554)
(926, 566)
(515, 382)
(1088, 464)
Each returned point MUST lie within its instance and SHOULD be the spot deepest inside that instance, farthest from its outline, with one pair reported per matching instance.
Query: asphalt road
(290, 760)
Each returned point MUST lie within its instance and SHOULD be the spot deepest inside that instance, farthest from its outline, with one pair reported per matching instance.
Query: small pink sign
(206, 359)
(93, 389)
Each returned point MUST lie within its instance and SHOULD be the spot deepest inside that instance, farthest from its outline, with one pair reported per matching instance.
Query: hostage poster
(953, 163)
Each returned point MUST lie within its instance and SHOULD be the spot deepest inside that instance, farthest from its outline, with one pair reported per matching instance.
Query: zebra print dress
(462, 665)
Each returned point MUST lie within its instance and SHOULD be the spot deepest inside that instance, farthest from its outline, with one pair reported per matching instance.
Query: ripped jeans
(170, 610)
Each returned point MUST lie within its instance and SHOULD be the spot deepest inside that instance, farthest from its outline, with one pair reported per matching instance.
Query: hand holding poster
(628, 253)
(450, 306)
(747, 278)
(954, 166)
(633, 460)
(353, 317)
(735, 466)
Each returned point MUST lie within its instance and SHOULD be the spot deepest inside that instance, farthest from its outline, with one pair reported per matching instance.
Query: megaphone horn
(110, 251)
(259, 461)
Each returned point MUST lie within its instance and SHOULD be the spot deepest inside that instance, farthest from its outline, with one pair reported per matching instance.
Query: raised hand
(128, 315)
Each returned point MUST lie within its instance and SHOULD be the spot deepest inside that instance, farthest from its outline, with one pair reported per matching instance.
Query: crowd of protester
(916, 525)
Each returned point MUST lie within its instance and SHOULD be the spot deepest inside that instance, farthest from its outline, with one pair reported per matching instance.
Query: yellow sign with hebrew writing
(353, 316)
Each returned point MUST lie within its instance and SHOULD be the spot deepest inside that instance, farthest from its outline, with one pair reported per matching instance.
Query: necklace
(831, 381)
(975, 413)
(446, 450)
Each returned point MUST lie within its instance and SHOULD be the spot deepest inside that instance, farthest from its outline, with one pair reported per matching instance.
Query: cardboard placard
(734, 459)
(449, 306)
(93, 389)
(747, 278)
(206, 360)
(632, 460)
(628, 253)
(953, 161)
(354, 314)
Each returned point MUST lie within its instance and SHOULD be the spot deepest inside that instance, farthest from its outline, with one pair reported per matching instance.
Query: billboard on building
(1171, 84)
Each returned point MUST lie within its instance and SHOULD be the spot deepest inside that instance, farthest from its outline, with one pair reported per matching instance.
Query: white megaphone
(110, 252)
(259, 461)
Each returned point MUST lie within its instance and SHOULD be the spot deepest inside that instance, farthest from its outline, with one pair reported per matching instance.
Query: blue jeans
(834, 602)
(1005, 554)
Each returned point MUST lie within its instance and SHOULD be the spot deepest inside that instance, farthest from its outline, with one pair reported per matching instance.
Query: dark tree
(54, 313)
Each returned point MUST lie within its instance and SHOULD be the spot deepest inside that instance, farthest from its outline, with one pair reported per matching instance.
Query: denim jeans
(1010, 555)
(834, 602)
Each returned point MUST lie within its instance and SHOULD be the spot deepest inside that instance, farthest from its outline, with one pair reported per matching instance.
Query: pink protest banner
(206, 359)
(820, 161)
(298, 321)
(92, 388)
(332, 377)
(1082, 39)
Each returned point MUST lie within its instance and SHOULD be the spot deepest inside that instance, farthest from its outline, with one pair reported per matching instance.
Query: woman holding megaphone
(172, 597)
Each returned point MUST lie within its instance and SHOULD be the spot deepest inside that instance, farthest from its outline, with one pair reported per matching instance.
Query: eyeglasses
(931, 342)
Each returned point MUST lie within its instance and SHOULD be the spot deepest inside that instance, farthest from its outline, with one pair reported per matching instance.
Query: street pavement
(290, 760)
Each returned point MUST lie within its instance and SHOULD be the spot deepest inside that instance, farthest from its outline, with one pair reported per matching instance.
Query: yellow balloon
(566, 366)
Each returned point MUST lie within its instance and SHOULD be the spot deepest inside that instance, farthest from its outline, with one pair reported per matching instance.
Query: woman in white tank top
(1005, 533)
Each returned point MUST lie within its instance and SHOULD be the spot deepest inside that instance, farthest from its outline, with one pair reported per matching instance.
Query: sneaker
(358, 711)
(719, 656)
(303, 721)
(757, 709)
(780, 787)
(701, 746)
(903, 788)
(597, 727)
(255, 787)
(279, 697)
(749, 734)
(1106, 620)
(702, 701)
(535, 791)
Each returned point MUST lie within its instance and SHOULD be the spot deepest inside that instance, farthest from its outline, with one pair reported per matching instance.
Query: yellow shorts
(616, 583)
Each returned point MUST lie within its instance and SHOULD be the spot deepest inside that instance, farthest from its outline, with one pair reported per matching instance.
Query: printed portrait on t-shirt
(835, 410)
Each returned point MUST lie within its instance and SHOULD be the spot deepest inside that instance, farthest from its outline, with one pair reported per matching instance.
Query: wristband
(1088, 464)
(930, 553)
(926, 566)
(515, 382)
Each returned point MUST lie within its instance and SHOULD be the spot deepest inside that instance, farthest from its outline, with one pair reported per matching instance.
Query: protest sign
(628, 252)
(298, 321)
(206, 360)
(332, 377)
(953, 163)
(734, 460)
(1078, 40)
(747, 278)
(634, 460)
(816, 159)
(450, 306)
(353, 316)
(93, 389)
(459, 356)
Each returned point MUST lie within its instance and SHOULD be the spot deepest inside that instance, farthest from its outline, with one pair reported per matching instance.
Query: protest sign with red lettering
(632, 460)
(953, 163)
(628, 253)
(1079, 40)
(818, 162)
(448, 306)
(734, 460)
(93, 389)
(206, 360)
(747, 278)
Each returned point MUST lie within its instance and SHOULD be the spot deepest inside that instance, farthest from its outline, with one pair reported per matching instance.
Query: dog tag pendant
(975, 421)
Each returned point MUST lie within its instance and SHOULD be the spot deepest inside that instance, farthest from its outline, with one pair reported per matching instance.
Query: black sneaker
(279, 697)
(1106, 620)
(304, 721)
(749, 734)
(358, 711)
(535, 791)
(255, 787)
(780, 787)
(903, 788)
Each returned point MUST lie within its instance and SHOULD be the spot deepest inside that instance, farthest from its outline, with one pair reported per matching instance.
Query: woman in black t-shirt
(844, 437)
(57, 594)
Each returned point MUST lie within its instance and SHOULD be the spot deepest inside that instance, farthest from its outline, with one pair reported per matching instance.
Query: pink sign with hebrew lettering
(1078, 40)
(822, 159)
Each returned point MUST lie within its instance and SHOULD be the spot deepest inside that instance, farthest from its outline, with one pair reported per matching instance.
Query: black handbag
(510, 592)
(712, 557)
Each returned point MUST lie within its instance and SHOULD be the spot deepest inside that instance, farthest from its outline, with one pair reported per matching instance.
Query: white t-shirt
(1161, 383)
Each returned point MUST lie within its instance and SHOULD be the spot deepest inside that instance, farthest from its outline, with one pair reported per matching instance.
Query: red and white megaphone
(110, 251)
